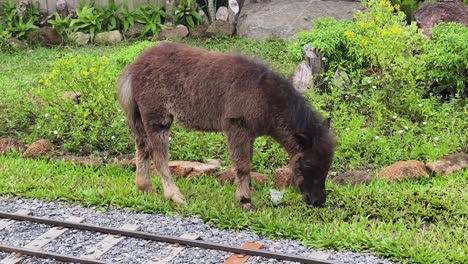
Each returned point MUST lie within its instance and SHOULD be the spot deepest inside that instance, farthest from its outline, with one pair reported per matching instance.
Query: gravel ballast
(131, 250)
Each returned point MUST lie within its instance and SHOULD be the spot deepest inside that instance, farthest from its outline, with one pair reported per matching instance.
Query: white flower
(401, 131)
(55, 132)
(46, 115)
(358, 96)
(113, 137)
(123, 119)
(170, 138)
(373, 86)
(38, 127)
(436, 138)
(347, 129)
(394, 117)
(119, 110)
(376, 137)
(369, 81)
(420, 105)
(323, 58)
(406, 127)
(424, 123)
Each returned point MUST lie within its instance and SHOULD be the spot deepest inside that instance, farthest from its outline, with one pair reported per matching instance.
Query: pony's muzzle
(314, 200)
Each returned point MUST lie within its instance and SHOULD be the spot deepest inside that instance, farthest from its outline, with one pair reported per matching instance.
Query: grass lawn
(423, 221)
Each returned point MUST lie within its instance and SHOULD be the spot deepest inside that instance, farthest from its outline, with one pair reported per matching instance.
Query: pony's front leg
(240, 144)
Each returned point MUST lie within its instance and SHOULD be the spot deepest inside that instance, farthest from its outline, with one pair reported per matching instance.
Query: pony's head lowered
(313, 161)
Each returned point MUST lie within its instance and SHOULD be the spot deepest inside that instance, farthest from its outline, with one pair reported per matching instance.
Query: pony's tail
(128, 103)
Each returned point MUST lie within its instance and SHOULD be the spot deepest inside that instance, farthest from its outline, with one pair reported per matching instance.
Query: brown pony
(210, 91)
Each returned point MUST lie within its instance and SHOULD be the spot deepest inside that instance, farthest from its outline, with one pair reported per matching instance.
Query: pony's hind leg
(240, 144)
(142, 158)
(157, 129)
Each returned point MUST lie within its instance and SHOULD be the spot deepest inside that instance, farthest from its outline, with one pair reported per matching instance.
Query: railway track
(175, 245)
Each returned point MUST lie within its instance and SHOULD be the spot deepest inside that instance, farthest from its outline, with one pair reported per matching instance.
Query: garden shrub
(446, 58)
(96, 123)
(128, 54)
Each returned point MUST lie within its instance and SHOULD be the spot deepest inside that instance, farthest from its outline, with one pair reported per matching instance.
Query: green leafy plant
(62, 25)
(126, 17)
(88, 20)
(83, 126)
(446, 58)
(109, 15)
(186, 13)
(152, 17)
(20, 26)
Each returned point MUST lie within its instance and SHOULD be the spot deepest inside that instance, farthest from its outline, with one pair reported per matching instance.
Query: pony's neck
(285, 136)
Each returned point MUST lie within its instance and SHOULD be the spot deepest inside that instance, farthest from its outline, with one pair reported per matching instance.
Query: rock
(189, 168)
(80, 38)
(284, 18)
(75, 96)
(233, 11)
(61, 7)
(220, 27)
(353, 178)
(222, 13)
(83, 161)
(449, 164)
(206, 20)
(124, 160)
(199, 31)
(8, 144)
(341, 79)
(42, 147)
(133, 31)
(314, 59)
(302, 78)
(172, 32)
(429, 15)
(282, 178)
(229, 176)
(109, 37)
(411, 169)
(16, 43)
(214, 162)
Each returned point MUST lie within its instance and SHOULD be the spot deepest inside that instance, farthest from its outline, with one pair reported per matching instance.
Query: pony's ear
(326, 123)
(303, 140)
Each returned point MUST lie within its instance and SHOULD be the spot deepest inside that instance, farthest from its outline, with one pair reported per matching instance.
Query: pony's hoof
(177, 197)
(248, 207)
(149, 189)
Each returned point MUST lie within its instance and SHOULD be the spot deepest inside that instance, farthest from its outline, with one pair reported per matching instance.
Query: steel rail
(167, 239)
(49, 255)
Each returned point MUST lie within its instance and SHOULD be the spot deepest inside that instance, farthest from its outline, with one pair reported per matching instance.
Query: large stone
(411, 169)
(353, 178)
(8, 144)
(284, 18)
(77, 160)
(222, 13)
(108, 37)
(229, 176)
(16, 43)
(46, 36)
(429, 15)
(75, 96)
(133, 31)
(220, 27)
(449, 164)
(80, 38)
(172, 32)
(282, 178)
(233, 11)
(199, 31)
(302, 78)
(42, 147)
(190, 169)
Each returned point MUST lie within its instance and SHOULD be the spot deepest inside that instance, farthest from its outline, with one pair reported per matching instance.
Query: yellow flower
(41, 81)
(364, 42)
(85, 73)
(349, 34)
(396, 30)
(397, 7)
(105, 58)
(92, 69)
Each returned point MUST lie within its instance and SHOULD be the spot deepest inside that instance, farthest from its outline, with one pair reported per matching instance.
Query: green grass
(421, 221)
